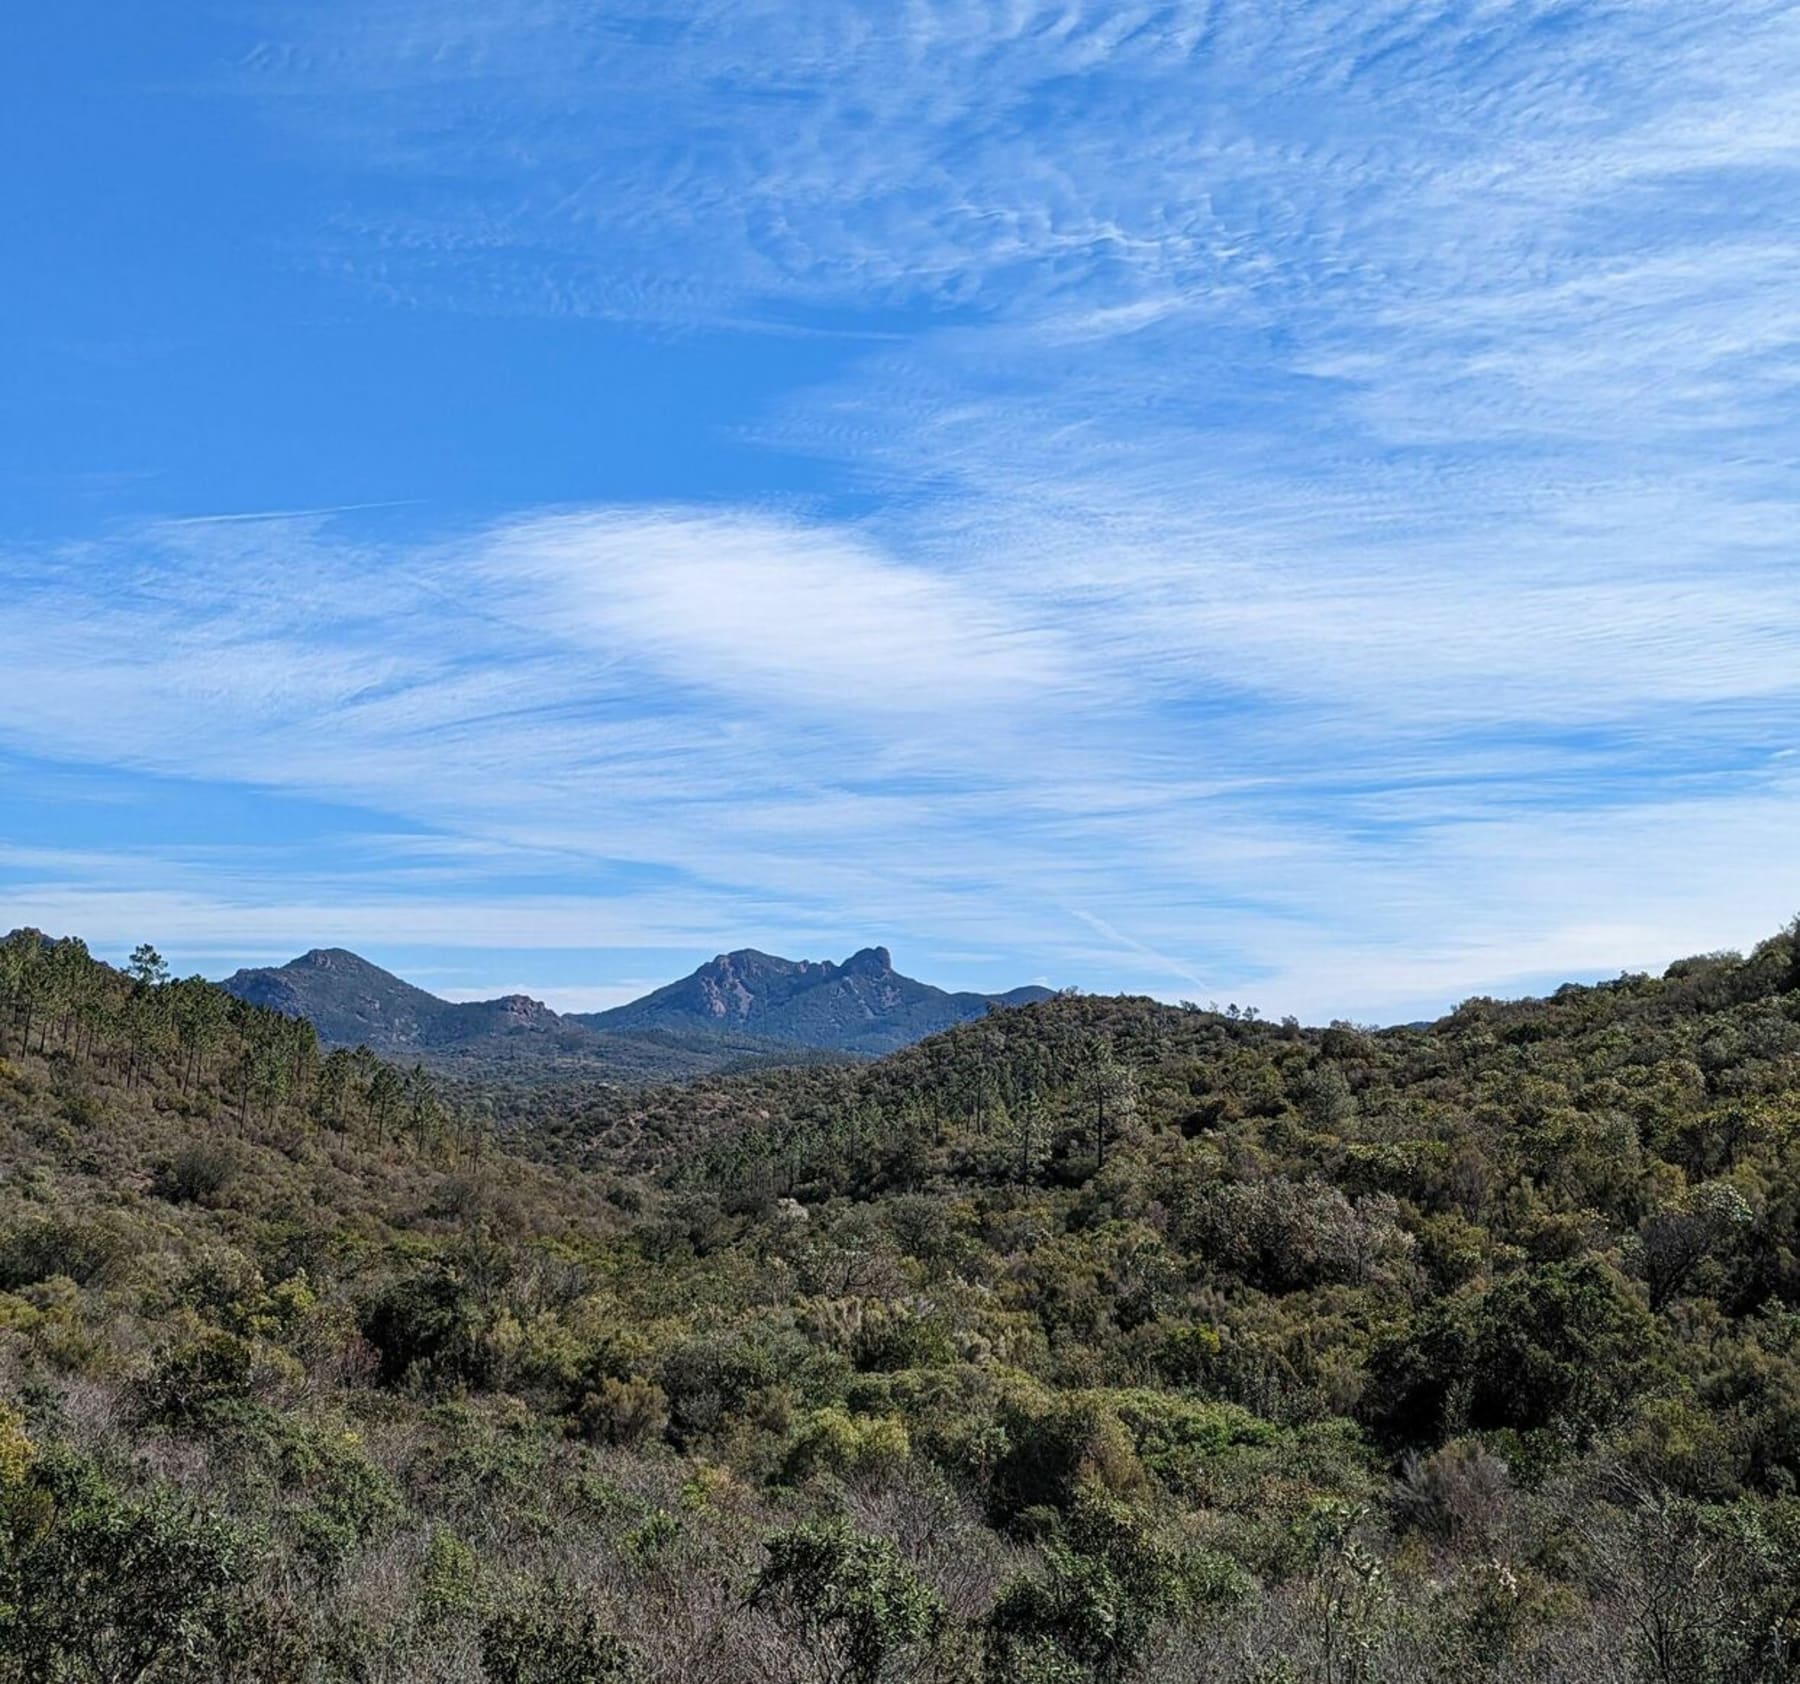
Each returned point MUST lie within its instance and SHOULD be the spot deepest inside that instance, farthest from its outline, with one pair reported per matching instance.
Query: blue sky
(1281, 502)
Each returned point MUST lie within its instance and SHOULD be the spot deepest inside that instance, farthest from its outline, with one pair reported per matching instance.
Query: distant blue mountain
(739, 1005)
(862, 1006)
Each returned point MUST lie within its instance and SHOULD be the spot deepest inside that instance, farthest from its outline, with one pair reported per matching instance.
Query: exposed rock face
(863, 1005)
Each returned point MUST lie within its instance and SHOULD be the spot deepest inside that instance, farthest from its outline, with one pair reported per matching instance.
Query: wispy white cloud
(1325, 469)
(790, 610)
(1324, 872)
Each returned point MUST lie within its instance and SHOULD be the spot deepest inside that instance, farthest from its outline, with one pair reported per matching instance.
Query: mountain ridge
(862, 1005)
(348, 1000)
(741, 1003)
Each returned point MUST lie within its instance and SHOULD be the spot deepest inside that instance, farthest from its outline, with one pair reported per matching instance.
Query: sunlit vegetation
(1096, 1339)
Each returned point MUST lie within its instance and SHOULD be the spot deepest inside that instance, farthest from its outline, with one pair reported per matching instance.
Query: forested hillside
(1096, 1339)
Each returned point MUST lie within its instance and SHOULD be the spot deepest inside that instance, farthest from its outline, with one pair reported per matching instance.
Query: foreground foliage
(1098, 1339)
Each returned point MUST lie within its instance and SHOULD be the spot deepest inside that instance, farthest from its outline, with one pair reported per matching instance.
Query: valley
(1093, 1338)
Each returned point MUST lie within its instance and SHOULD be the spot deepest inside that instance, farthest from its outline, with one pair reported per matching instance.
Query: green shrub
(848, 1596)
(549, 1635)
(449, 1578)
(1560, 1347)
(88, 1251)
(340, 1501)
(427, 1327)
(1105, 1586)
(710, 1378)
(1056, 1449)
(625, 1412)
(197, 1172)
(891, 1337)
(1110, 1441)
(100, 1588)
(192, 1378)
(833, 1440)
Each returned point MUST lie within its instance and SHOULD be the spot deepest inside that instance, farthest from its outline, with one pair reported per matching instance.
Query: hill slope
(351, 1002)
(1103, 1340)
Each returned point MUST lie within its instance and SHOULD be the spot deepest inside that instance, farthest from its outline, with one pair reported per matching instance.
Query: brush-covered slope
(1099, 1340)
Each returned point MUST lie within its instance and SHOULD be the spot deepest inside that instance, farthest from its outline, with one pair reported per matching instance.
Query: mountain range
(739, 1007)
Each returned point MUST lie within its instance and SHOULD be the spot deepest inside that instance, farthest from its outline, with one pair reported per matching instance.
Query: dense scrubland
(1097, 1339)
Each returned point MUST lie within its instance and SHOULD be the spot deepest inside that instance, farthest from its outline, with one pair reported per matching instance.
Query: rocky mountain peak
(860, 1006)
(331, 959)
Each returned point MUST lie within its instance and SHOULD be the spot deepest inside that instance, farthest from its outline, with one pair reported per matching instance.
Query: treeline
(57, 998)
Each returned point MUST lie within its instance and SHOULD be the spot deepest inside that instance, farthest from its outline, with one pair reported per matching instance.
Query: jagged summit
(862, 1006)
